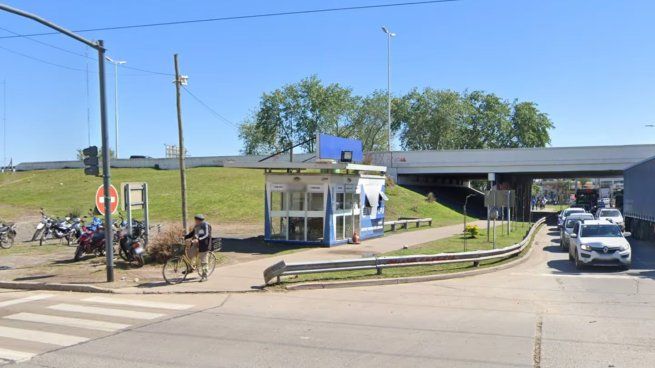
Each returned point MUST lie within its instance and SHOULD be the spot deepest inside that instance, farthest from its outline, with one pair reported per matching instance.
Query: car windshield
(601, 231)
(572, 211)
(571, 221)
(610, 213)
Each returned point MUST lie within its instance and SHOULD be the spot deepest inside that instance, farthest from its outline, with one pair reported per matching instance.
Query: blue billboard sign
(331, 147)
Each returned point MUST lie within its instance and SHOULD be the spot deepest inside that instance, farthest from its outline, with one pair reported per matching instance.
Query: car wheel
(578, 264)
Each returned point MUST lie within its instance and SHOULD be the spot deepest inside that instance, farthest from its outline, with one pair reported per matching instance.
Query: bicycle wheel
(175, 270)
(211, 265)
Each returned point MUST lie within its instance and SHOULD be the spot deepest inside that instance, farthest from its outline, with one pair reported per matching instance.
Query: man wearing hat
(201, 240)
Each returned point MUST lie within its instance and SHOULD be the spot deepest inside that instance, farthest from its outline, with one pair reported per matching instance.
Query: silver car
(567, 229)
(566, 213)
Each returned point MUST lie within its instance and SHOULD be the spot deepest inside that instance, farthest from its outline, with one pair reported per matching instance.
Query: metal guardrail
(282, 268)
(404, 222)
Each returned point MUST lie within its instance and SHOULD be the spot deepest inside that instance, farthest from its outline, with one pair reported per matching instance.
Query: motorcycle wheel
(6, 242)
(79, 252)
(36, 235)
(137, 260)
(122, 254)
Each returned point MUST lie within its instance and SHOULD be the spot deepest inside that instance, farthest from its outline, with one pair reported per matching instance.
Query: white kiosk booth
(322, 203)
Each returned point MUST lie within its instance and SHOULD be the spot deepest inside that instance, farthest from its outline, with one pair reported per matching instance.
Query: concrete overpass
(513, 168)
(548, 162)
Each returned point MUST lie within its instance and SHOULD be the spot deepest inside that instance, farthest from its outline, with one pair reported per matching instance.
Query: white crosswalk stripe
(68, 321)
(105, 311)
(49, 324)
(26, 299)
(137, 303)
(40, 336)
(15, 356)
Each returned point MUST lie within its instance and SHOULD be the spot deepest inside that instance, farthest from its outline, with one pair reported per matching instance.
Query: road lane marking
(105, 311)
(40, 336)
(67, 321)
(14, 355)
(27, 299)
(137, 303)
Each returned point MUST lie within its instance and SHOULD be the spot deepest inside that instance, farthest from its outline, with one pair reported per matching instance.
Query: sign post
(107, 204)
(135, 196)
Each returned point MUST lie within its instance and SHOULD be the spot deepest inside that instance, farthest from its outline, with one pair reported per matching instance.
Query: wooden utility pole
(179, 80)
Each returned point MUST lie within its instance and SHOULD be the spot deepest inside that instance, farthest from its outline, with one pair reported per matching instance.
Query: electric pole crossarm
(46, 23)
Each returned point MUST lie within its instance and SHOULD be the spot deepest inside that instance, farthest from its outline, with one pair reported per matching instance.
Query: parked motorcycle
(41, 226)
(92, 240)
(131, 246)
(58, 229)
(7, 235)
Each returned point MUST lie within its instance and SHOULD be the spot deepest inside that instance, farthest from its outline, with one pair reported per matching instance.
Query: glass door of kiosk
(297, 213)
(346, 211)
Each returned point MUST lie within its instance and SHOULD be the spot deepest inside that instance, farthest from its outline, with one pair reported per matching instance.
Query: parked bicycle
(180, 265)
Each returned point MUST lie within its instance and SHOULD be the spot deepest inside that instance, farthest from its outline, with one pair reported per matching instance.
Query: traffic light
(91, 161)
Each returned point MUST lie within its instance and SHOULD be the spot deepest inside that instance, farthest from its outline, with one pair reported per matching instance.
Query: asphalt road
(542, 313)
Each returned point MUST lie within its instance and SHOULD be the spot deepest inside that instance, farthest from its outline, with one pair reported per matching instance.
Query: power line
(242, 17)
(76, 53)
(214, 112)
(41, 60)
(46, 44)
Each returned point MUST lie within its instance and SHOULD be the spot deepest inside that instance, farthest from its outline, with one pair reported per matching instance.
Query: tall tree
(429, 119)
(529, 126)
(295, 113)
(370, 123)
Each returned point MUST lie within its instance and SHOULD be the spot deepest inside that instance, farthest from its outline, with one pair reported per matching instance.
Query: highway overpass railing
(276, 271)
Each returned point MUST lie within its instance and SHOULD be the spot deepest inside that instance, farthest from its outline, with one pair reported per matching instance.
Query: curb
(407, 280)
(78, 288)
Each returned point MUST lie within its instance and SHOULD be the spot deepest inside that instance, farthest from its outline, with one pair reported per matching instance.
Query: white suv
(611, 215)
(599, 242)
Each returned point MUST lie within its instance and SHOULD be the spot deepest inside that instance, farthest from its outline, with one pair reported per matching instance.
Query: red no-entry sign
(113, 200)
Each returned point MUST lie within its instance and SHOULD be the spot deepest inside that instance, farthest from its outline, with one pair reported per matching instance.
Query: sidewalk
(248, 276)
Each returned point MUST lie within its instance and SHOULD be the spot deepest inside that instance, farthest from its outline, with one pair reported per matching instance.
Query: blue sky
(588, 64)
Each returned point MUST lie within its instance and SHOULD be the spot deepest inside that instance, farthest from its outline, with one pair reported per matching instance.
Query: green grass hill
(225, 195)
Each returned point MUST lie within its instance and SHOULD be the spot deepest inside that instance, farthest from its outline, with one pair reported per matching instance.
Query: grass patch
(448, 245)
(224, 195)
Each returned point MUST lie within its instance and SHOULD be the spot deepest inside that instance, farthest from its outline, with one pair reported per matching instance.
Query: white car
(611, 215)
(567, 229)
(599, 242)
(564, 214)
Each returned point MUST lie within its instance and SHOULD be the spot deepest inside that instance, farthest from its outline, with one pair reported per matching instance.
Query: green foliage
(444, 119)
(472, 230)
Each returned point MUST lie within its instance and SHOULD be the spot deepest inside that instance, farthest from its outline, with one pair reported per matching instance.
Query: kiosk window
(340, 226)
(278, 228)
(297, 201)
(350, 200)
(339, 202)
(278, 202)
(296, 228)
(315, 201)
(315, 229)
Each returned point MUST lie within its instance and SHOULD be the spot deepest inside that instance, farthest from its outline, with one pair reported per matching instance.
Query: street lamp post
(389, 35)
(116, 64)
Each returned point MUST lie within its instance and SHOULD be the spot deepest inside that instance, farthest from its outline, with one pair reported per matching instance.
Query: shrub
(472, 231)
(163, 245)
(430, 198)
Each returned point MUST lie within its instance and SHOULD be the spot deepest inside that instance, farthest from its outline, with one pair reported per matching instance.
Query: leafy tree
(370, 122)
(429, 119)
(295, 113)
(486, 121)
(529, 126)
